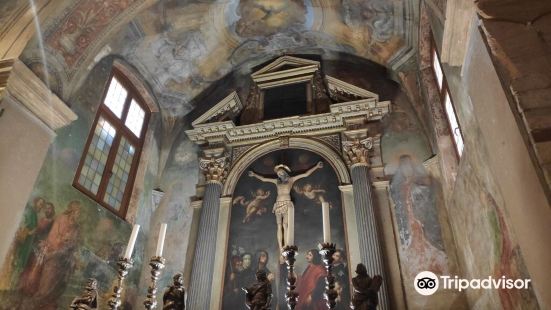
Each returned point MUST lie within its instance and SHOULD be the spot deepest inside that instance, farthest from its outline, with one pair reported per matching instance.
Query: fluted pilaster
(356, 149)
(215, 170)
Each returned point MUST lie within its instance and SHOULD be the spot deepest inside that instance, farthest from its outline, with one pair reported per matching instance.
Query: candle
(132, 241)
(161, 240)
(290, 226)
(326, 225)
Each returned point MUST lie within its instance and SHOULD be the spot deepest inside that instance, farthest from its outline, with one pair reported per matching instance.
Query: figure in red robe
(310, 286)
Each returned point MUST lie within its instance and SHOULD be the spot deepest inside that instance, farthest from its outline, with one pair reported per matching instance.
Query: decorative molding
(303, 143)
(332, 140)
(356, 147)
(296, 62)
(156, 197)
(214, 165)
(347, 188)
(6, 66)
(231, 104)
(381, 184)
(196, 204)
(337, 87)
(28, 90)
(238, 151)
(326, 123)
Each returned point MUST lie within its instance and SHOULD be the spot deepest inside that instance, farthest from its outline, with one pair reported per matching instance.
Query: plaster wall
(21, 154)
(524, 203)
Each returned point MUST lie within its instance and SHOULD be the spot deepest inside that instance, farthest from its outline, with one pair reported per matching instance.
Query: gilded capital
(215, 168)
(356, 148)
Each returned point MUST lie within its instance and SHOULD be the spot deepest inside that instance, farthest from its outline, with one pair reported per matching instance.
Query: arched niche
(318, 147)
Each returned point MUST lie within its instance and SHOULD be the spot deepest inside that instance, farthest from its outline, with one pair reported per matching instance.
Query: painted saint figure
(284, 184)
(311, 284)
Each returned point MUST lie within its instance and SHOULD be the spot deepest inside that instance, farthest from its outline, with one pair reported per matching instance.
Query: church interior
(275, 154)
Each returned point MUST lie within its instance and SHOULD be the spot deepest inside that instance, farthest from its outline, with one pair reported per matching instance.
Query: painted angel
(253, 206)
(314, 193)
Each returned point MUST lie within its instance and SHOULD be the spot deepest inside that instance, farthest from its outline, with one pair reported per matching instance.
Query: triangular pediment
(229, 106)
(285, 63)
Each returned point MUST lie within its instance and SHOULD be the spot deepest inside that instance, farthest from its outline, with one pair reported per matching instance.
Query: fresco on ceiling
(182, 47)
(265, 18)
(81, 27)
(64, 237)
(252, 242)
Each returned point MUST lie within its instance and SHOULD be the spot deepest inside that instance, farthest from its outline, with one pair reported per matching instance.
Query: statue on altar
(175, 295)
(284, 183)
(366, 289)
(89, 298)
(259, 295)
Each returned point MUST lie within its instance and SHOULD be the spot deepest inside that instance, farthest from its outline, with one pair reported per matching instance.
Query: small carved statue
(175, 295)
(89, 298)
(259, 295)
(365, 289)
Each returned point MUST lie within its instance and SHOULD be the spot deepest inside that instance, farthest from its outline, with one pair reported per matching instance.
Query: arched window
(110, 159)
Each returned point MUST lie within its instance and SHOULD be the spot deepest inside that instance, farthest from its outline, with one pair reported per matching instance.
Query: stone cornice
(285, 60)
(334, 121)
(229, 104)
(28, 90)
(336, 85)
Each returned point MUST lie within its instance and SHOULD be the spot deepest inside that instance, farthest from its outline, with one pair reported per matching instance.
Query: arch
(137, 81)
(320, 148)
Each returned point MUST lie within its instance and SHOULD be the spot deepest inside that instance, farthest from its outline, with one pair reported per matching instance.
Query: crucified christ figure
(284, 184)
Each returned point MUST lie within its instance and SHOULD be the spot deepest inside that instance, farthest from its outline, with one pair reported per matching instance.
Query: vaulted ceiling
(182, 47)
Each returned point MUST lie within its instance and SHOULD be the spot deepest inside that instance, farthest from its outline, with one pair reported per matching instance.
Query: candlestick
(157, 263)
(326, 222)
(161, 240)
(289, 252)
(124, 265)
(326, 251)
(132, 241)
(290, 226)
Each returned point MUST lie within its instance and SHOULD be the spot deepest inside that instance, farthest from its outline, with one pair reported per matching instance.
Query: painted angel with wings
(253, 206)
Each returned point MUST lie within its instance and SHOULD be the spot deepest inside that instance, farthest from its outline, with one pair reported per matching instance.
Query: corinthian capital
(215, 166)
(356, 148)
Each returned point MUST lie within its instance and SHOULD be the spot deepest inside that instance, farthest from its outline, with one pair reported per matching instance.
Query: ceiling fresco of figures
(181, 47)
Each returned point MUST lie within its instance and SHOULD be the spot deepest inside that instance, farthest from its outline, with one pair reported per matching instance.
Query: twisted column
(356, 150)
(215, 170)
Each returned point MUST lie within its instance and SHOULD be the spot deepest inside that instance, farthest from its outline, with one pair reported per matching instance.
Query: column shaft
(203, 260)
(368, 236)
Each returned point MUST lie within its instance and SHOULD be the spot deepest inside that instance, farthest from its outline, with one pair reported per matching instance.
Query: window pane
(134, 120)
(437, 69)
(96, 157)
(120, 173)
(116, 95)
(454, 125)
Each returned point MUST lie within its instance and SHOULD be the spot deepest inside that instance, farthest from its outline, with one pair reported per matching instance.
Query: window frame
(121, 131)
(443, 92)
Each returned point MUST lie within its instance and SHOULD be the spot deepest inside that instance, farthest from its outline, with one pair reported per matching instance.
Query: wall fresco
(64, 237)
